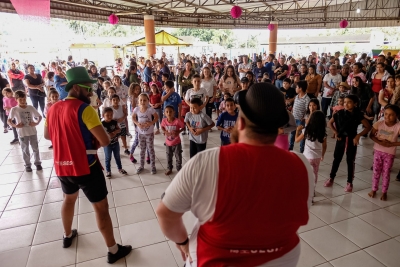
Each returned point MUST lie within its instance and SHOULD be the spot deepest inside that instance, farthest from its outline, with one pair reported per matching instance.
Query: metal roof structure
(340, 39)
(215, 14)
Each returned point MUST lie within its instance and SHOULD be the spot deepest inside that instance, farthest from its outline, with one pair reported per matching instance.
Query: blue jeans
(110, 149)
(292, 136)
(279, 83)
(325, 103)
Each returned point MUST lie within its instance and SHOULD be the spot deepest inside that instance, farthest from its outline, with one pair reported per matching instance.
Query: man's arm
(101, 135)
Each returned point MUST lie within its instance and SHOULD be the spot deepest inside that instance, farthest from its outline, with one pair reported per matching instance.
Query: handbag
(41, 94)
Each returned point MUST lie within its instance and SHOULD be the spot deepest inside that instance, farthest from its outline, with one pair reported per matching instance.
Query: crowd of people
(262, 106)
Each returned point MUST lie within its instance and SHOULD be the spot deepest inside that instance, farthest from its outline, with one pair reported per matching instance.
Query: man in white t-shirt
(234, 193)
(244, 67)
(331, 84)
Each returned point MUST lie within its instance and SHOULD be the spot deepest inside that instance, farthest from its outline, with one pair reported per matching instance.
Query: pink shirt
(385, 132)
(46, 108)
(171, 127)
(337, 108)
(9, 103)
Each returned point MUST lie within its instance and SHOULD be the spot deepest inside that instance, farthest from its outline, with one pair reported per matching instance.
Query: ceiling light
(358, 10)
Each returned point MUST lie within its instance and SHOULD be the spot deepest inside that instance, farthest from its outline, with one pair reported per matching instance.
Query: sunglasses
(88, 88)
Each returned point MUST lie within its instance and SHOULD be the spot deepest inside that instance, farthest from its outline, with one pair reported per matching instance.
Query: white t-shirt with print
(143, 117)
(194, 189)
(333, 81)
(202, 94)
(24, 116)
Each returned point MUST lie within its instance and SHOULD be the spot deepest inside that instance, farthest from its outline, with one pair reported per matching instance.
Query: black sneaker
(28, 169)
(127, 152)
(67, 241)
(39, 167)
(122, 252)
(15, 141)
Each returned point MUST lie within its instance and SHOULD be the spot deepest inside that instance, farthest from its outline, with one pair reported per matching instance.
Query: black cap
(264, 105)
(244, 80)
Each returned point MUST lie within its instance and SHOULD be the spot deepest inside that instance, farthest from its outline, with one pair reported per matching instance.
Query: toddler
(222, 105)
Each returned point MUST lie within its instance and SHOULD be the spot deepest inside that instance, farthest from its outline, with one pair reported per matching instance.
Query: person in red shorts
(248, 203)
(76, 133)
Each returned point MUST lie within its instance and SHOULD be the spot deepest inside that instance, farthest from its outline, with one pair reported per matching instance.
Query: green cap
(77, 75)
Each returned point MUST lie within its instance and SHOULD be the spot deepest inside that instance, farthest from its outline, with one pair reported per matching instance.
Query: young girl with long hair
(229, 82)
(385, 134)
(144, 118)
(315, 139)
(344, 125)
(155, 102)
(313, 105)
(209, 84)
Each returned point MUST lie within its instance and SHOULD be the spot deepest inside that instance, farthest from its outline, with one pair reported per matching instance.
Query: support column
(273, 38)
(149, 34)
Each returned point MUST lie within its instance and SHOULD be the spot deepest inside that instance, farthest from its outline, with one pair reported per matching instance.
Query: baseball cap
(244, 80)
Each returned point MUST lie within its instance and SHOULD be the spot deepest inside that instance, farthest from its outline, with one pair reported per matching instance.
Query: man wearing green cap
(76, 133)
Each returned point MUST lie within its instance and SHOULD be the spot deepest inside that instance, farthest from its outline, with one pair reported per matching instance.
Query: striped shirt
(300, 106)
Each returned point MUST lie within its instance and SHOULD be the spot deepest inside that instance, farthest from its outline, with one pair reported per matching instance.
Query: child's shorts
(216, 105)
(123, 131)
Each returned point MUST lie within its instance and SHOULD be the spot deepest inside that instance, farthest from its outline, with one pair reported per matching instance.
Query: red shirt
(155, 99)
(245, 230)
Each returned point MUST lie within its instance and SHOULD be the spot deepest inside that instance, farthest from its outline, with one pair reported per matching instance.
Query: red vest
(262, 196)
(64, 122)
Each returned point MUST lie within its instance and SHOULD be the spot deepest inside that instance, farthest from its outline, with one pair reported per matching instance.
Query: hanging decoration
(343, 24)
(236, 12)
(113, 19)
(33, 11)
(271, 27)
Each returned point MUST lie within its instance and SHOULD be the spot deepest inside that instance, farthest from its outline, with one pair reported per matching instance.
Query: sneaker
(132, 158)
(148, 160)
(153, 171)
(328, 183)
(39, 167)
(67, 241)
(5, 130)
(9, 128)
(139, 170)
(122, 252)
(168, 172)
(126, 152)
(15, 141)
(108, 175)
(122, 171)
(51, 147)
(349, 188)
(28, 169)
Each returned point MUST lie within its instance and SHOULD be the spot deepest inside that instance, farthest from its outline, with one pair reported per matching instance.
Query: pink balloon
(343, 24)
(113, 19)
(271, 27)
(236, 12)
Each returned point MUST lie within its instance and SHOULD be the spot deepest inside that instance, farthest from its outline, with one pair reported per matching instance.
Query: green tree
(221, 37)
(100, 29)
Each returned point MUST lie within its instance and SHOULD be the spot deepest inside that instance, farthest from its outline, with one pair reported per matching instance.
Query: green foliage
(391, 33)
(96, 29)
(221, 37)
